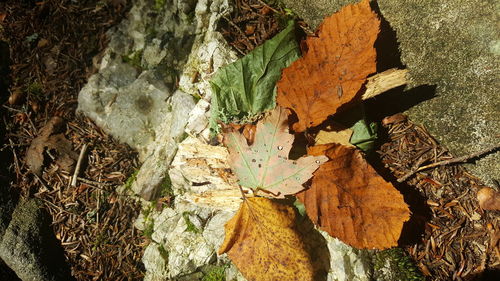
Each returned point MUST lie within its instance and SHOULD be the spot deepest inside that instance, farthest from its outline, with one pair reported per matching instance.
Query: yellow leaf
(334, 134)
(263, 242)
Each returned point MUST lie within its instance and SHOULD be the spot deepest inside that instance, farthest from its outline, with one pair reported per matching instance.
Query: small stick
(94, 182)
(78, 165)
(450, 161)
(243, 196)
(16, 160)
(248, 44)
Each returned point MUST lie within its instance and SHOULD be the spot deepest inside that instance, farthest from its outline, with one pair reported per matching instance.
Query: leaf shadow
(389, 56)
(397, 101)
(317, 247)
(387, 46)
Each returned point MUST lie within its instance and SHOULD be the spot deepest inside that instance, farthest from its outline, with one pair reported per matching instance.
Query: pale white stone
(155, 264)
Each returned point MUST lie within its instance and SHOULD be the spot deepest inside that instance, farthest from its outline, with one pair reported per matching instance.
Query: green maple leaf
(246, 88)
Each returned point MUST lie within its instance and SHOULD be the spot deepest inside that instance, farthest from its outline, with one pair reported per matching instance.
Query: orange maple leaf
(334, 68)
(350, 201)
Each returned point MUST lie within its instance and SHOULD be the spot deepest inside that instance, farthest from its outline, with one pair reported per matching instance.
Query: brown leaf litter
(52, 143)
(460, 239)
(52, 44)
(250, 24)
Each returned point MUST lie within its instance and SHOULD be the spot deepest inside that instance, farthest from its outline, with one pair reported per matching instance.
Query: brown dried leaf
(334, 68)
(349, 200)
(248, 130)
(262, 240)
(48, 139)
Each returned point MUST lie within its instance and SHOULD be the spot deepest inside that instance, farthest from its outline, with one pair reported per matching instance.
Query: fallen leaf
(336, 133)
(262, 240)
(365, 135)
(49, 139)
(489, 199)
(249, 133)
(330, 74)
(264, 165)
(246, 88)
(350, 201)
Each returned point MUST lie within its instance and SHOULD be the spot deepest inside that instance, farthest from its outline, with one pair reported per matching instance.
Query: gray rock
(182, 104)
(155, 262)
(126, 107)
(347, 263)
(313, 12)
(129, 97)
(143, 93)
(453, 45)
(178, 238)
(29, 246)
(153, 176)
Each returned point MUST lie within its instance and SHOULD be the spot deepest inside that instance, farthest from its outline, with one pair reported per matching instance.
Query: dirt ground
(52, 46)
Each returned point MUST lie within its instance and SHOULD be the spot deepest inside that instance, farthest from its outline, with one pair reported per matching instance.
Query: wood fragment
(384, 81)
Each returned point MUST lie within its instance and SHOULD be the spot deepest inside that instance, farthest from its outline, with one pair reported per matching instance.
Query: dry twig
(78, 165)
(461, 159)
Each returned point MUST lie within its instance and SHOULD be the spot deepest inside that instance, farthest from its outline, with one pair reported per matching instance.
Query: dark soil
(52, 44)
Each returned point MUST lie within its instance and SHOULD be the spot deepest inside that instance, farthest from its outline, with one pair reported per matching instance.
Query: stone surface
(455, 46)
(130, 96)
(346, 262)
(144, 93)
(29, 246)
(184, 239)
(157, 65)
(152, 175)
(6, 273)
